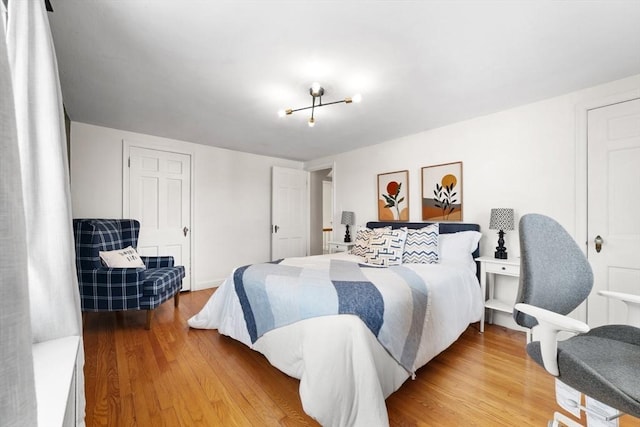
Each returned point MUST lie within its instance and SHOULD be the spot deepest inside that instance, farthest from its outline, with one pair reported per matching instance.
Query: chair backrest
(554, 272)
(95, 235)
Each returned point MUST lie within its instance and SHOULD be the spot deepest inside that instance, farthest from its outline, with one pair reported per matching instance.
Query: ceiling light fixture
(316, 91)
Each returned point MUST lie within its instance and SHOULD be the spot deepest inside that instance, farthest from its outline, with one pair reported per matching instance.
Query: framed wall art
(442, 192)
(393, 196)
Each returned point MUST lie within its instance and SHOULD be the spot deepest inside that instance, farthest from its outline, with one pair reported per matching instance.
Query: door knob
(598, 241)
(275, 228)
(185, 230)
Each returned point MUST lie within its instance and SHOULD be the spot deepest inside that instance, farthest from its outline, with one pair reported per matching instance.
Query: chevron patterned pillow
(421, 246)
(361, 243)
(385, 247)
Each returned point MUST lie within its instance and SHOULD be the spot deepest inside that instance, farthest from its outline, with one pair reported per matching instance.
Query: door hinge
(129, 162)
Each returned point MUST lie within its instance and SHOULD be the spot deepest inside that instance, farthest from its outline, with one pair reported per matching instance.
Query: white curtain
(17, 393)
(39, 121)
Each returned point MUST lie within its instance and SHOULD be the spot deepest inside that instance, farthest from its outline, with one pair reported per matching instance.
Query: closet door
(159, 196)
(613, 207)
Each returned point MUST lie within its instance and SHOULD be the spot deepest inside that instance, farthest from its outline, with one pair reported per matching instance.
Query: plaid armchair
(117, 289)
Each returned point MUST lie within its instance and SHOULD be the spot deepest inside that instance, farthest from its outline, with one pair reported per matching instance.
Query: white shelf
(495, 304)
(54, 364)
(490, 268)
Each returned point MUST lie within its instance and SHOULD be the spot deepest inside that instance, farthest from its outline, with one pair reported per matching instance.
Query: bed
(380, 325)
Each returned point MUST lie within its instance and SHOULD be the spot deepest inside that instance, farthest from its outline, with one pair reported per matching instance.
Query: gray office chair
(555, 277)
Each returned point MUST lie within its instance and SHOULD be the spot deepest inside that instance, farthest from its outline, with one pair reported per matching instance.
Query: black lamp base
(501, 250)
(347, 236)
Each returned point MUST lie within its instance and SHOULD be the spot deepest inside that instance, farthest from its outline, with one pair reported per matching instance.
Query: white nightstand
(492, 267)
(340, 247)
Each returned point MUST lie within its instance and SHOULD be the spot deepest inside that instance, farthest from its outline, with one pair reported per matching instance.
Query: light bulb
(281, 113)
(312, 122)
(356, 98)
(315, 88)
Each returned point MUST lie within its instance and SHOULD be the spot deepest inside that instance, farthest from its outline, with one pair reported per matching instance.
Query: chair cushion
(161, 280)
(554, 272)
(107, 235)
(603, 363)
(93, 235)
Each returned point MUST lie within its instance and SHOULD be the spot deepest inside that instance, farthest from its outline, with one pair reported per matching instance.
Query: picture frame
(393, 196)
(442, 192)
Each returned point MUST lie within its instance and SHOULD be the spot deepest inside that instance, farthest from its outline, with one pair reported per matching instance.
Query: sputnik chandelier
(316, 91)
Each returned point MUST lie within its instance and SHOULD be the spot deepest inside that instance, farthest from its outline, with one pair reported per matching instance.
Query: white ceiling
(217, 72)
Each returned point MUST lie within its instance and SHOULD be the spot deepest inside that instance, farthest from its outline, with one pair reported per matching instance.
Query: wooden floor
(177, 376)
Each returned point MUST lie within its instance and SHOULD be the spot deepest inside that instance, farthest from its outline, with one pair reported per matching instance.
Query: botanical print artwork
(393, 196)
(442, 192)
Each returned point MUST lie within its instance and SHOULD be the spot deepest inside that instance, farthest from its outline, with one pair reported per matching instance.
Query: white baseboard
(208, 284)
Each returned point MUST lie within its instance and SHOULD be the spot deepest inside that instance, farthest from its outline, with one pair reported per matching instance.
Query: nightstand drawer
(335, 247)
(508, 270)
(340, 247)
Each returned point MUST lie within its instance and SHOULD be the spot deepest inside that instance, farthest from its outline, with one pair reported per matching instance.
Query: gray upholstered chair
(555, 277)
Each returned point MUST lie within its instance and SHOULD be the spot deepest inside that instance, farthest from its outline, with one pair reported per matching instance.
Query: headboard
(445, 227)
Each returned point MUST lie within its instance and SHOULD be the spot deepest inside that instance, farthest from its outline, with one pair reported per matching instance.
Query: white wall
(523, 158)
(232, 196)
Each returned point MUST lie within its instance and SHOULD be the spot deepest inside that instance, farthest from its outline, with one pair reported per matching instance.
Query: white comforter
(345, 374)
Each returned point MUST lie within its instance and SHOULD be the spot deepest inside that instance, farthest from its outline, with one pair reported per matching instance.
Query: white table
(490, 268)
(340, 247)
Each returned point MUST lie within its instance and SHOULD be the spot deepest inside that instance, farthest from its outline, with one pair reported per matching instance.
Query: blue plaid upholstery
(115, 289)
(157, 261)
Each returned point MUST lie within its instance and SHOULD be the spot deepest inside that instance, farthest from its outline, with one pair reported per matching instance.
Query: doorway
(321, 190)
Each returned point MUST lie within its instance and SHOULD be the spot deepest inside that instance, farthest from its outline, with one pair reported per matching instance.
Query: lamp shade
(348, 218)
(501, 219)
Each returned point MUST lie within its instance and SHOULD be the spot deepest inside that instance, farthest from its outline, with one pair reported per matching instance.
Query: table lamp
(501, 219)
(348, 218)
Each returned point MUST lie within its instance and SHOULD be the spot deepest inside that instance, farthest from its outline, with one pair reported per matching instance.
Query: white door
(613, 207)
(160, 198)
(289, 216)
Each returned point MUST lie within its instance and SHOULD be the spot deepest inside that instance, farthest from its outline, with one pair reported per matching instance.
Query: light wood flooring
(176, 376)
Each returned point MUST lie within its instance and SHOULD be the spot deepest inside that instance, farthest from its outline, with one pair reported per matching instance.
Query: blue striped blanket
(392, 302)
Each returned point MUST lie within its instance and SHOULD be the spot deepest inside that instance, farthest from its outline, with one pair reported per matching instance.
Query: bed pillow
(122, 258)
(386, 247)
(361, 243)
(421, 245)
(459, 247)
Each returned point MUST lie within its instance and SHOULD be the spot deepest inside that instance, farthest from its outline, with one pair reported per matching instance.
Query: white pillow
(459, 247)
(385, 247)
(122, 258)
(361, 243)
(421, 245)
